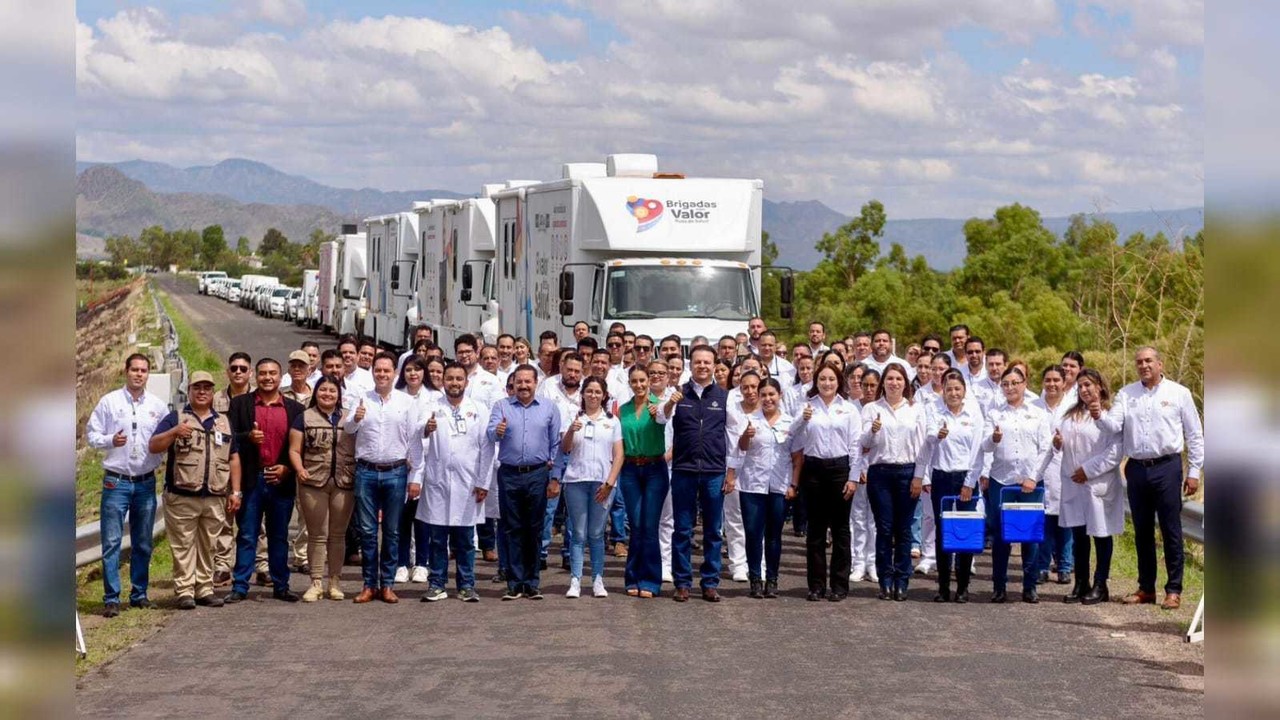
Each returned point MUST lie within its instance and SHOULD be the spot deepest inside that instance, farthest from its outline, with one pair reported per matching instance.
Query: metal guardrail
(1193, 521)
(89, 536)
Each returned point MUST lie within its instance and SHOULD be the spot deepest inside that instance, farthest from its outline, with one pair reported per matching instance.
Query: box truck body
(392, 255)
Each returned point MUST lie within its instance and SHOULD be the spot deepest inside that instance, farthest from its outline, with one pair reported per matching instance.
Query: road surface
(624, 657)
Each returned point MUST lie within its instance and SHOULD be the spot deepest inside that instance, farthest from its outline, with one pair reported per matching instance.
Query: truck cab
(457, 251)
(392, 290)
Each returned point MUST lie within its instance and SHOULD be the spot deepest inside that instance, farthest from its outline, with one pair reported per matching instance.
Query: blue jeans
(618, 532)
(917, 523)
(889, 488)
(486, 534)
(523, 500)
(762, 518)
(687, 489)
(379, 491)
(259, 502)
(1058, 545)
(645, 488)
(121, 496)
(417, 553)
(464, 554)
(1000, 551)
(586, 517)
(544, 547)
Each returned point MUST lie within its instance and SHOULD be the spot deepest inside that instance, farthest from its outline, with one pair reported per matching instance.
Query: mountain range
(248, 197)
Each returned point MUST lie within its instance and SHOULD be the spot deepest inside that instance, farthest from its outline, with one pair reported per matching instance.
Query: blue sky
(934, 106)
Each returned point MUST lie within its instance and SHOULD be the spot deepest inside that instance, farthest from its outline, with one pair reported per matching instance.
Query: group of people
(629, 445)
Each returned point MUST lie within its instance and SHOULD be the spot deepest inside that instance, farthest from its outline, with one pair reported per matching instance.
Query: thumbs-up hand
(875, 424)
(431, 425)
(676, 397)
(501, 429)
(808, 412)
(996, 436)
(942, 433)
(360, 411)
(183, 431)
(255, 435)
(577, 424)
(1095, 410)
(119, 439)
(1057, 439)
(751, 431)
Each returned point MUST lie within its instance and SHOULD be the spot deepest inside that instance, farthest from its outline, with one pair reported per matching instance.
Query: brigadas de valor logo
(646, 212)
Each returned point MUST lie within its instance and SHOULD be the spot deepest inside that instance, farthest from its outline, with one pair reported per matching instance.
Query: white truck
(304, 312)
(350, 274)
(250, 285)
(206, 277)
(621, 242)
(392, 255)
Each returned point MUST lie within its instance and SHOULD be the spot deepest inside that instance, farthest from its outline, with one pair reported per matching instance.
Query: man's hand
(481, 494)
(1057, 439)
(984, 482)
(501, 430)
(256, 435)
(730, 484)
(966, 494)
(360, 411)
(272, 473)
(431, 426)
(792, 492)
(415, 490)
(119, 439)
(183, 431)
(917, 484)
(233, 504)
(1190, 486)
(996, 435)
(553, 489)
(850, 488)
(1028, 485)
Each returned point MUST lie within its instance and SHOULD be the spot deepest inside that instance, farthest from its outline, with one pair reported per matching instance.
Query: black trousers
(943, 484)
(1080, 555)
(1155, 494)
(822, 491)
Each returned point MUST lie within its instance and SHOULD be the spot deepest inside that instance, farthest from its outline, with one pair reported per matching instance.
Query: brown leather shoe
(1140, 598)
(710, 595)
(366, 595)
(619, 550)
(222, 578)
(491, 556)
(388, 596)
(1172, 601)
(681, 595)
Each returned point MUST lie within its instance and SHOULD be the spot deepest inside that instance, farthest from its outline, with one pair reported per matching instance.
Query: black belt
(131, 478)
(1157, 461)
(523, 469)
(381, 467)
(835, 462)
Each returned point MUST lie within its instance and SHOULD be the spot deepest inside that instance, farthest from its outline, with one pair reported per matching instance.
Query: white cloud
(551, 28)
(285, 13)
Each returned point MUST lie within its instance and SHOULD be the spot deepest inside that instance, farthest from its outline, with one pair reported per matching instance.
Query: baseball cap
(301, 356)
(200, 376)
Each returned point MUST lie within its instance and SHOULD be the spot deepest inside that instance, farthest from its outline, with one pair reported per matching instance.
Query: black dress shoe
(210, 601)
(999, 596)
(186, 602)
(900, 594)
(1077, 593)
(756, 590)
(942, 596)
(770, 589)
(813, 596)
(1064, 578)
(836, 596)
(1043, 577)
(501, 577)
(234, 597)
(1097, 594)
(286, 595)
(1030, 596)
(885, 594)
(961, 597)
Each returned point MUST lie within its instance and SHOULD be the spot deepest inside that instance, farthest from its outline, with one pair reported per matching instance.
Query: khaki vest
(327, 452)
(198, 461)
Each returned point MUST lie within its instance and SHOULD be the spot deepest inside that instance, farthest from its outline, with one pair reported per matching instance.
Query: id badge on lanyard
(459, 425)
(589, 431)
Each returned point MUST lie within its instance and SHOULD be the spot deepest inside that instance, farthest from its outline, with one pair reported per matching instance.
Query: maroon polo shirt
(274, 424)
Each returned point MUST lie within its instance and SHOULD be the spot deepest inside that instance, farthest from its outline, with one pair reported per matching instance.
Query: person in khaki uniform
(299, 390)
(202, 486)
(239, 373)
(323, 457)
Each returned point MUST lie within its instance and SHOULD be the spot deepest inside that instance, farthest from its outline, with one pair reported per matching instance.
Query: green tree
(273, 241)
(1007, 251)
(310, 255)
(124, 250)
(212, 246)
(854, 245)
(242, 246)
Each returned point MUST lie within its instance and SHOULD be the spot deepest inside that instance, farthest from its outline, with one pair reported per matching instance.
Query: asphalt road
(624, 657)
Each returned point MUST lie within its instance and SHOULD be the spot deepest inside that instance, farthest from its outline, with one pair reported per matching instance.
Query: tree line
(208, 250)
(1021, 288)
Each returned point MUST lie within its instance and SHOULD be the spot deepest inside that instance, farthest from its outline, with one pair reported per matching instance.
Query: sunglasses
(932, 348)
(613, 345)
(642, 347)
(239, 368)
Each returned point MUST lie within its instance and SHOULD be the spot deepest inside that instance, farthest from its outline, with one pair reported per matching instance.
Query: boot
(756, 589)
(315, 592)
(1078, 592)
(771, 589)
(1099, 594)
(335, 588)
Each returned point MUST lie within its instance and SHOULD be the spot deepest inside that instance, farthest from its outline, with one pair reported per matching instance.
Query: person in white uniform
(454, 482)
(1057, 545)
(863, 384)
(1092, 492)
(736, 422)
(764, 454)
(592, 443)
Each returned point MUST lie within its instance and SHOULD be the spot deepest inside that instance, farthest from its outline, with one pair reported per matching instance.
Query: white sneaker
(924, 568)
(575, 588)
(597, 587)
(402, 574)
(859, 573)
(667, 578)
(872, 577)
(419, 575)
(740, 575)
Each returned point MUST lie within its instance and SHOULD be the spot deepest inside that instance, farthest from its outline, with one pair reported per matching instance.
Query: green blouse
(641, 436)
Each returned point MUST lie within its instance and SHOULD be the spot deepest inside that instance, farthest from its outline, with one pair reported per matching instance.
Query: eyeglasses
(613, 345)
(638, 346)
(1012, 383)
(239, 368)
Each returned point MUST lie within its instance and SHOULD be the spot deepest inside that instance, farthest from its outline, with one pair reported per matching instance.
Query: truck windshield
(665, 291)
(281, 292)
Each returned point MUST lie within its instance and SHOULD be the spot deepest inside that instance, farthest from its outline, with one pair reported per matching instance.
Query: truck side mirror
(395, 277)
(788, 289)
(466, 282)
(566, 289)
(566, 307)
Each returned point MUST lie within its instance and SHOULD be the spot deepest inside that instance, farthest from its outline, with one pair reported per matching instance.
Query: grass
(87, 291)
(106, 638)
(191, 346)
(88, 486)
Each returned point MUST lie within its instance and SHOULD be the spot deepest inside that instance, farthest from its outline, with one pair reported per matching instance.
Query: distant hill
(108, 202)
(247, 197)
(254, 182)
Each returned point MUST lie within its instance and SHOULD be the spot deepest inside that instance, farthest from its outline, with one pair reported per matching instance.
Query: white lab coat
(459, 459)
(1098, 504)
(1052, 475)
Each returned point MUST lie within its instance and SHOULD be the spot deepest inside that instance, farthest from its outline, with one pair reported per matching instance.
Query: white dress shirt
(765, 466)
(484, 387)
(901, 433)
(1027, 440)
(458, 460)
(781, 370)
(1157, 422)
(553, 391)
(358, 382)
(118, 411)
(505, 372)
(794, 397)
(591, 459)
(391, 429)
(879, 367)
(959, 451)
(833, 431)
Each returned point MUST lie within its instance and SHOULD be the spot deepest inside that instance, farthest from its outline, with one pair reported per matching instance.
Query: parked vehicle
(233, 291)
(278, 301)
(205, 277)
(306, 311)
(393, 248)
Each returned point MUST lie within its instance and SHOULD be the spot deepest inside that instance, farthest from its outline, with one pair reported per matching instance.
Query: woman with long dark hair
(1057, 545)
(593, 443)
(763, 454)
(644, 483)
